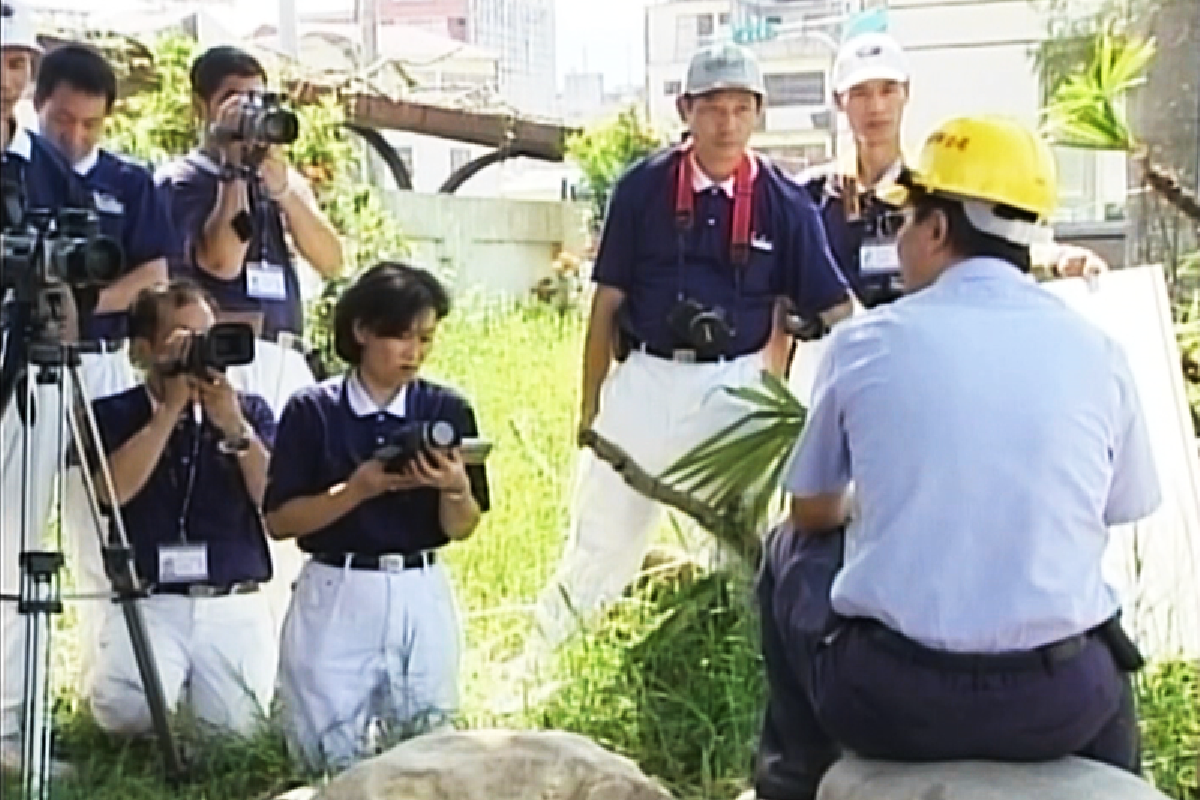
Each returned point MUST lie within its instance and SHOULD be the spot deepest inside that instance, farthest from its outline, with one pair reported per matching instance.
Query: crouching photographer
(188, 457)
(369, 473)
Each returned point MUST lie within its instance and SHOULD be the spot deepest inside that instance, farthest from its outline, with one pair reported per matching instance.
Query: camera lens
(441, 434)
(280, 126)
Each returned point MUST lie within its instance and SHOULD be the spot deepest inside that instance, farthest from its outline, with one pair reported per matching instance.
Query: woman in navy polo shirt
(371, 634)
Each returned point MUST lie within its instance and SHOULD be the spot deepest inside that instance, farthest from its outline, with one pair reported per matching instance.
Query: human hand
(443, 470)
(371, 479)
(1078, 262)
(179, 389)
(587, 418)
(276, 174)
(221, 406)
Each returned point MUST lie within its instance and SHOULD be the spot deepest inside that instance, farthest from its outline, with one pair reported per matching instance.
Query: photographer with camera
(188, 456)
(235, 199)
(700, 243)
(367, 475)
(34, 177)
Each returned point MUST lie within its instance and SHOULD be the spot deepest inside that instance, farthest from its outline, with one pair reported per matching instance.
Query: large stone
(495, 765)
(1066, 779)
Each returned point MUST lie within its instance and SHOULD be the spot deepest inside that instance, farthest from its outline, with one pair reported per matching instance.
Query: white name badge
(879, 258)
(182, 563)
(265, 281)
(107, 204)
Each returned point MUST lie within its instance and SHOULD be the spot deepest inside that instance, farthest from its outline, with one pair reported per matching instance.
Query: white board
(1155, 564)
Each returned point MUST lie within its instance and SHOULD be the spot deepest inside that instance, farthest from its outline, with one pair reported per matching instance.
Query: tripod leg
(119, 565)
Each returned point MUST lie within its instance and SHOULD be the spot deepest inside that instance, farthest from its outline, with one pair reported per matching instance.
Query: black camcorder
(705, 329)
(262, 120)
(226, 344)
(46, 248)
(413, 438)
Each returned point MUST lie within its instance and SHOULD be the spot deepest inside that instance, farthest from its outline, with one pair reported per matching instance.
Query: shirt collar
(361, 404)
(87, 163)
(21, 144)
(702, 183)
(983, 269)
(203, 161)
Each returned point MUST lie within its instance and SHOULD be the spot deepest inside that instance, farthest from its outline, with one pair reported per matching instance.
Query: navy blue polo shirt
(219, 511)
(845, 236)
(322, 439)
(132, 211)
(639, 254)
(47, 179)
(191, 184)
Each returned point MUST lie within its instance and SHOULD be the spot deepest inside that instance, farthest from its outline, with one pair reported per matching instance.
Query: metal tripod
(58, 365)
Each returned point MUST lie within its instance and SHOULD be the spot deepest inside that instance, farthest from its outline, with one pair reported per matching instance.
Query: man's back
(1015, 439)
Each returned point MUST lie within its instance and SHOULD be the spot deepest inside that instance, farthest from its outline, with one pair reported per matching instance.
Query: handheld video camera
(226, 344)
(707, 330)
(413, 438)
(45, 248)
(262, 120)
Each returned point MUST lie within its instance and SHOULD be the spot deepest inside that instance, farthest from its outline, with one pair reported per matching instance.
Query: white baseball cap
(17, 26)
(869, 57)
(724, 66)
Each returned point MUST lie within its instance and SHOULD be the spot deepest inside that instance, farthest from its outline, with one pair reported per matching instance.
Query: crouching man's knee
(120, 708)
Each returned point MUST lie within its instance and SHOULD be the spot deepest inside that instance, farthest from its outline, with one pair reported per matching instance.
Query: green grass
(672, 678)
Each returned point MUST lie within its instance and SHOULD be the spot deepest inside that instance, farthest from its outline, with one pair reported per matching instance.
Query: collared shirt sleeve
(618, 242)
(1135, 492)
(296, 445)
(811, 277)
(258, 414)
(149, 231)
(190, 197)
(820, 463)
(118, 421)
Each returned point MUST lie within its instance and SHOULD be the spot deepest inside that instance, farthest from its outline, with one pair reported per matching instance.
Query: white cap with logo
(18, 27)
(869, 57)
(724, 66)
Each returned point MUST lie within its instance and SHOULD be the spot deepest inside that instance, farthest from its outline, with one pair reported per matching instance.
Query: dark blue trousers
(835, 686)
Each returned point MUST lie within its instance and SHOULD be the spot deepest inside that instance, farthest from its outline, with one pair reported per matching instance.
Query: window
(723, 19)
(459, 158)
(672, 88)
(796, 89)
(704, 24)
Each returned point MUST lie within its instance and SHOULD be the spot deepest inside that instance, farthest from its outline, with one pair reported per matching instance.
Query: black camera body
(262, 121)
(707, 330)
(48, 248)
(413, 438)
(224, 345)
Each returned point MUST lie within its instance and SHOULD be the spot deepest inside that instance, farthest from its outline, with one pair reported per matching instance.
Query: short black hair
(216, 64)
(150, 307)
(967, 240)
(80, 66)
(385, 300)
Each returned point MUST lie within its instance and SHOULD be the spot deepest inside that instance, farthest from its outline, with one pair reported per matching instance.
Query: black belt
(682, 355)
(207, 589)
(389, 562)
(1040, 658)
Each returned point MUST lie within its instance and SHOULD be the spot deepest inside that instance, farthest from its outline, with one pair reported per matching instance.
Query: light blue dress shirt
(991, 435)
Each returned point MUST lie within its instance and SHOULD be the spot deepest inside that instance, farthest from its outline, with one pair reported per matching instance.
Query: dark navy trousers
(835, 686)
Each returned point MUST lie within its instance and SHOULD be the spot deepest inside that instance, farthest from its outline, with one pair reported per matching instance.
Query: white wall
(498, 247)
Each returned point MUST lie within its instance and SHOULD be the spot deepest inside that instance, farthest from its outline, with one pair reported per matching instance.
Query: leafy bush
(604, 151)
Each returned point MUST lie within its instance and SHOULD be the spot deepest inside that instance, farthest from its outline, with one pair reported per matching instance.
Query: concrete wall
(498, 247)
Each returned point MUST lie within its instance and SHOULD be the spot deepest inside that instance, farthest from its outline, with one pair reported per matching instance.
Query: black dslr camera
(262, 121)
(226, 344)
(706, 330)
(44, 248)
(414, 438)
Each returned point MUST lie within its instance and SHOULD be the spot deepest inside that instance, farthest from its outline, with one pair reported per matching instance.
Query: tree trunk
(1165, 115)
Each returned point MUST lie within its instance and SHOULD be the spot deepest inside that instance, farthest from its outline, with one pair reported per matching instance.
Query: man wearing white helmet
(45, 181)
(700, 242)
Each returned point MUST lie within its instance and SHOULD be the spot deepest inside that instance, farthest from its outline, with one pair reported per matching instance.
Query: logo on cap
(869, 51)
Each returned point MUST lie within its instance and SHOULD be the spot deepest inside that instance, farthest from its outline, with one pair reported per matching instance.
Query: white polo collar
(87, 163)
(21, 144)
(204, 162)
(361, 404)
(702, 183)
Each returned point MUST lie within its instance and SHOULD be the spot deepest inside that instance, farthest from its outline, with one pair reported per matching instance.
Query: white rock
(495, 765)
(1065, 779)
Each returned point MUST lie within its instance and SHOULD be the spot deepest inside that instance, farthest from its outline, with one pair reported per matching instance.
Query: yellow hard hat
(987, 161)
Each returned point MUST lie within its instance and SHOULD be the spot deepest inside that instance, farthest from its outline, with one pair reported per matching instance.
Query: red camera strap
(743, 200)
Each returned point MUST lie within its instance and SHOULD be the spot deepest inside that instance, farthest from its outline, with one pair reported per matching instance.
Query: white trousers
(220, 649)
(656, 410)
(276, 373)
(360, 646)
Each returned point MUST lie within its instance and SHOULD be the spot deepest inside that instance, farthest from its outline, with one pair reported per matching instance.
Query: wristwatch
(237, 446)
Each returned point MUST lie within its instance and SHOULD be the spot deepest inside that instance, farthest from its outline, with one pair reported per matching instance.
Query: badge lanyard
(189, 483)
(685, 214)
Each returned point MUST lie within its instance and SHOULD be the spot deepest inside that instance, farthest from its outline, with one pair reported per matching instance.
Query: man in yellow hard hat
(952, 606)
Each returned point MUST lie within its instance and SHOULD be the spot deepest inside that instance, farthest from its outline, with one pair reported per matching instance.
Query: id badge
(879, 258)
(265, 281)
(183, 563)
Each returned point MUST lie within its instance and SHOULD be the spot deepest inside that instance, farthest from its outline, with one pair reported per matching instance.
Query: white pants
(656, 410)
(221, 649)
(276, 373)
(360, 646)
